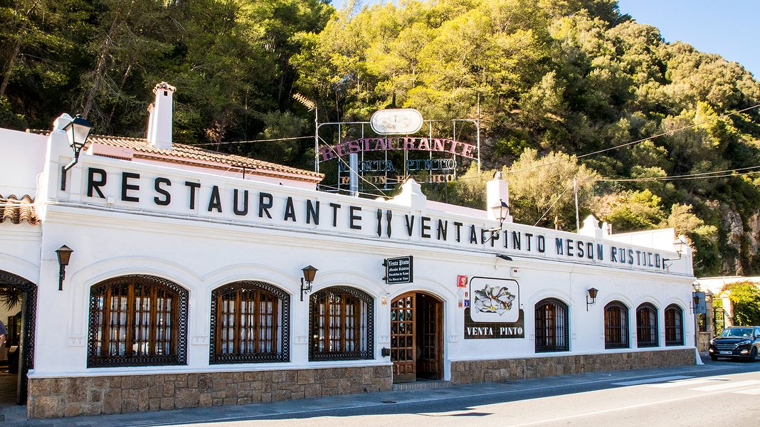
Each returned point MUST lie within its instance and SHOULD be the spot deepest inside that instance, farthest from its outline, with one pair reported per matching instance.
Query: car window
(737, 332)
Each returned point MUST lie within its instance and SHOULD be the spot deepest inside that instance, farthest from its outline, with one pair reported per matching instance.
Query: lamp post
(77, 131)
(695, 297)
(64, 255)
(309, 272)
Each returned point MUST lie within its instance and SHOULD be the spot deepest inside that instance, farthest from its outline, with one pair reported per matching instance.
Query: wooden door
(429, 337)
(403, 342)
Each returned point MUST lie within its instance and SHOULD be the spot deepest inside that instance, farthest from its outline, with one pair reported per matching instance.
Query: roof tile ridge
(129, 138)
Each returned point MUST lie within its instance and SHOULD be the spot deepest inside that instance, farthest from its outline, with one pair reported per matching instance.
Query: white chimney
(160, 124)
(497, 191)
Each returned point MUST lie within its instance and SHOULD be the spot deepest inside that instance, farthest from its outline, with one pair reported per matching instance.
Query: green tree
(128, 38)
(631, 210)
(40, 57)
(745, 298)
(541, 189)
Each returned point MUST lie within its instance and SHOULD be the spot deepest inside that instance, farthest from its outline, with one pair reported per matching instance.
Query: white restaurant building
(185, 283)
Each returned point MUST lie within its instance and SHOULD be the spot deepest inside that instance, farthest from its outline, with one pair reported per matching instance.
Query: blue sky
(730, 28)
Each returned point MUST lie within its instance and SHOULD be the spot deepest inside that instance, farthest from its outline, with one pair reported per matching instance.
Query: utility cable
(702, 175)
(337, 156)
(552, 205)
(638, 141)
(253, 140)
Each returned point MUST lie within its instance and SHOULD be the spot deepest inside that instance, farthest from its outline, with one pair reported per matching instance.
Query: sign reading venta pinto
(399, 270)
(494, 310)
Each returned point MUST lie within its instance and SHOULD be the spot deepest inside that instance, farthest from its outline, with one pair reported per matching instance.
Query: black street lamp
(77, 131)
(500, 211)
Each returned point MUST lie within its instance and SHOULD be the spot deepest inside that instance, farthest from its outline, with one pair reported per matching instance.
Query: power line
(254, 140)
(337, 155)
(702, 175)
(552, 206)
(670, 132)
(638, 141)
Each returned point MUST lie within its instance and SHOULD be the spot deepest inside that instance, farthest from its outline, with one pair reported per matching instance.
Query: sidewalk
(16, 415)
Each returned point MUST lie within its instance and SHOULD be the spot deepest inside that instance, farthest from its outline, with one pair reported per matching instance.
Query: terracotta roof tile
(183, 153)
(18, 210)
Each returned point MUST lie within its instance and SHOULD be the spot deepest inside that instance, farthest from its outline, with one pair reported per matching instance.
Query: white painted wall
(201, 249)
(22, 158)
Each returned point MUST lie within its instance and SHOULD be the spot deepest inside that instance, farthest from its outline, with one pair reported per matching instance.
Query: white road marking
(752, 392)
(652, 380)
(611, 410)
(727, 386)
(684, 383)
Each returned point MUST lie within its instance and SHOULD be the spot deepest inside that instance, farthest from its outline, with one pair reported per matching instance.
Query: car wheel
(714, 358)
(752, 355)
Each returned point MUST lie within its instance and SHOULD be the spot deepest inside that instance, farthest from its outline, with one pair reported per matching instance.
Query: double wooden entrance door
(416, 337)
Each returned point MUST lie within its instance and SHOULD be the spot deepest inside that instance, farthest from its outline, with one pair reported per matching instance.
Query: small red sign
(461, 281)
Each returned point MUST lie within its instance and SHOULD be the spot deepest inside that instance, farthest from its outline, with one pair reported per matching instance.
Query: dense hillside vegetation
(565, 89)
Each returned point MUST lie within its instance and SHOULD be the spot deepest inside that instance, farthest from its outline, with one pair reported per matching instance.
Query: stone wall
(69, 397)
(466, 372)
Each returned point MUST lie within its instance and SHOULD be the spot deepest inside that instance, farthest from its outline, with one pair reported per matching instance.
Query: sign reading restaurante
(407, 143)
(262, 207)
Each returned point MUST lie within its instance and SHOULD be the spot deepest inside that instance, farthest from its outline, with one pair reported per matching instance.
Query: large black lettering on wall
(126, 186)
(95, 184)
(167, 196)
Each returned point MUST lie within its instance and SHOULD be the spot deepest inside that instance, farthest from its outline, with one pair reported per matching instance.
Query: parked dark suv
(736, 341)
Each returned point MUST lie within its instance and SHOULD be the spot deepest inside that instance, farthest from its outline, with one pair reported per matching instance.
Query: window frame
(651, 329)
(314, 318)
(623, 330)
(677, 329)
(540, 325)
(178, 331)
(280, 333)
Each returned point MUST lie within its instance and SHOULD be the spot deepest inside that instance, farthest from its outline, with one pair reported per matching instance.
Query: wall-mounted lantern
(309, 272)
(500, 211)
(77, 131)
(679, 245)
(64, 255)
(591, 297)
(696, 300)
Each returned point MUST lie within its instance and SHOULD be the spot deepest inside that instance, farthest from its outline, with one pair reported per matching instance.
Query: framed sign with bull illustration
(494, 309)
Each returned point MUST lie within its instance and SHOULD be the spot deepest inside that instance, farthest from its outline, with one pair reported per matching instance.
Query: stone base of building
(467, 372)
(74, 396)
(69, 397)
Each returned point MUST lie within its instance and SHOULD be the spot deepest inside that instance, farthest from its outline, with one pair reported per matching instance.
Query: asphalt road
(723, 393)
(719, 393)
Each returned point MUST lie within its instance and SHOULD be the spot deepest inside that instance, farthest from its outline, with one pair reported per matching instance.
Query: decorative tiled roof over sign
(129, 148)
(15, 210)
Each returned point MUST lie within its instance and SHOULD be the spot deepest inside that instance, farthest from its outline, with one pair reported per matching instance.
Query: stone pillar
(728, 308)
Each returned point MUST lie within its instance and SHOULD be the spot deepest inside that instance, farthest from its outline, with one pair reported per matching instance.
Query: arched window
(552, 327)
(673, 325)
(137, 321)
(646, 326)
(340, 324)
(615, 325)
(250, 323)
